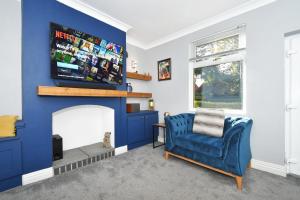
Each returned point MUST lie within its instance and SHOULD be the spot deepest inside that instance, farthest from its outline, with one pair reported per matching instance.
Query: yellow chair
(7, 125)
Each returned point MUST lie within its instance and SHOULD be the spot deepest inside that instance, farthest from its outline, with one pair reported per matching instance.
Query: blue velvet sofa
(230, 154)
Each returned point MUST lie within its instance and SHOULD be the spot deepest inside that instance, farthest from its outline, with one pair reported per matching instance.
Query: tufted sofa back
(180, 124)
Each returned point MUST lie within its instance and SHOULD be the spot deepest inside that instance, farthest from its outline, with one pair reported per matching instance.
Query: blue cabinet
(149, 121)
(10, 163)
(139, 128)
(135, 129)
(11, 159)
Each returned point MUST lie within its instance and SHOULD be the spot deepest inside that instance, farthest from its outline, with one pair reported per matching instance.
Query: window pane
(219, 86)
(225, 44)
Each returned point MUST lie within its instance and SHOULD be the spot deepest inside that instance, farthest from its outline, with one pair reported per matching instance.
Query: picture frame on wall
(164, 69)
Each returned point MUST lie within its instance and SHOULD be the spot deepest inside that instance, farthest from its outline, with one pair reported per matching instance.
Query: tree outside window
(219, 86)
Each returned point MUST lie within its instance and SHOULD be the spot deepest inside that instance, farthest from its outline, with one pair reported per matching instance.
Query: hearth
(81, 157)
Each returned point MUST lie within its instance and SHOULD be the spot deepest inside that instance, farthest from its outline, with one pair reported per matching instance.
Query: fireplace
(83, 125)
(82, 129)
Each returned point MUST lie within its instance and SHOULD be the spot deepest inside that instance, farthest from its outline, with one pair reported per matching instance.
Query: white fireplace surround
(83, 125)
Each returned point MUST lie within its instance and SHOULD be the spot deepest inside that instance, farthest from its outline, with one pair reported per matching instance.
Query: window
(219, 86)
(222, 45)
(218, 75)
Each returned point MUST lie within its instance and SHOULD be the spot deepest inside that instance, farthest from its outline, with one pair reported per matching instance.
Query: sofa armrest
(237, 151)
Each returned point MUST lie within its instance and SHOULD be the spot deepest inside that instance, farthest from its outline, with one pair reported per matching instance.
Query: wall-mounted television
(76, 55)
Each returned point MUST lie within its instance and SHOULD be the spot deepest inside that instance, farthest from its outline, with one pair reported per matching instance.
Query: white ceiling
(153, 22)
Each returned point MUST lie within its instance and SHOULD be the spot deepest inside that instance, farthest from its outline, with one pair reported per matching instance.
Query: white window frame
(240, 56)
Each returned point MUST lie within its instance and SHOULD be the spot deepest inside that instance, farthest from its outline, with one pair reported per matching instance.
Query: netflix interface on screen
(79, 56)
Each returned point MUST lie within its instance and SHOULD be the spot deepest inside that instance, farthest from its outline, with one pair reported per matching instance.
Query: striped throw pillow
(209, 122)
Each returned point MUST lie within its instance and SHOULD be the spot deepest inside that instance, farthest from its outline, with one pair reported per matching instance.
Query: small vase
(129, 87)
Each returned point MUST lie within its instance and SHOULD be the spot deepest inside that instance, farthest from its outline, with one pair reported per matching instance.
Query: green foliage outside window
(219, 86)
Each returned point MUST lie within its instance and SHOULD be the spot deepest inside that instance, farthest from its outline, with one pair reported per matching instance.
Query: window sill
(234, 113)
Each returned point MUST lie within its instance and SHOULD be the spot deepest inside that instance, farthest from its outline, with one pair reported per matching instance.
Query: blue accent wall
(36, 137)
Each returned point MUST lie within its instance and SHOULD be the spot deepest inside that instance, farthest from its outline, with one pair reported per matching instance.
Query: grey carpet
(144, 174)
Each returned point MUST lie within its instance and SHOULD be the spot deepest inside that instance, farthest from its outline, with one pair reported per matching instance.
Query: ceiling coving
(151, 23)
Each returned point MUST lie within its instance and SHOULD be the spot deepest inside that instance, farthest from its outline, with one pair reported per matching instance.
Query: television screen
(79, 56)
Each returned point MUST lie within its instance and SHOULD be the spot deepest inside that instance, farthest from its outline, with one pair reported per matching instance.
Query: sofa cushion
(200, 143)
(209, 122)
(7, 125)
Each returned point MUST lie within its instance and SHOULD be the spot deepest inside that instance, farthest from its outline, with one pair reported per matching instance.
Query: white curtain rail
(235, 28)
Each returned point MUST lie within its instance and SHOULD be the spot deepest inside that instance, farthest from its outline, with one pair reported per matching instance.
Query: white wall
(83, 125)
(265, 31)
(10, 56)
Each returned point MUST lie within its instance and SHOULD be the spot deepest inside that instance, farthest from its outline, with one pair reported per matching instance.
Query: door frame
(287, 97)
(286, 101)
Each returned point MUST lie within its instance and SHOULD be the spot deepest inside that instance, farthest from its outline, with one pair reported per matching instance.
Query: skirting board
(121, 150)
(269, 167)
(37, 176)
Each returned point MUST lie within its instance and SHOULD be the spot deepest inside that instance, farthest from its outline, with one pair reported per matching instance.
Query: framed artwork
(164, 69)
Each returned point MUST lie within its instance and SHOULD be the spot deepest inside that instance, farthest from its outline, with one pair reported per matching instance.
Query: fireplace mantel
(84, 92)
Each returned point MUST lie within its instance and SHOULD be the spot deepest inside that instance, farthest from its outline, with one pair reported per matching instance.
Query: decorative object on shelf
(151, 104)
(106, 140)
(132, 107)
(166, 114)
(132, 65)
(164, 69)
(129, 87)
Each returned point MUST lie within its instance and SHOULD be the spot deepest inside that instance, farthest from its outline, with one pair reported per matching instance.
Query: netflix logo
(62, 35)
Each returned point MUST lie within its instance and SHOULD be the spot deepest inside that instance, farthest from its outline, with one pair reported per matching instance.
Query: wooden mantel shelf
(138, 95)
(84, 92)
(139, 76)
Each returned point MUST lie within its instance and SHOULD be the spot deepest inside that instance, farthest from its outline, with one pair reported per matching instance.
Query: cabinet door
(135, 129)
(149, 121)
(10, 158)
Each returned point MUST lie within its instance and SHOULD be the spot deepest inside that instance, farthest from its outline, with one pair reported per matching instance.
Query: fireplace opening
(83, 129)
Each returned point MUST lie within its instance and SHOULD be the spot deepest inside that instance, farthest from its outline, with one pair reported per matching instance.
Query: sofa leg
(249, 165)
(166, 155)
(239, 182)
